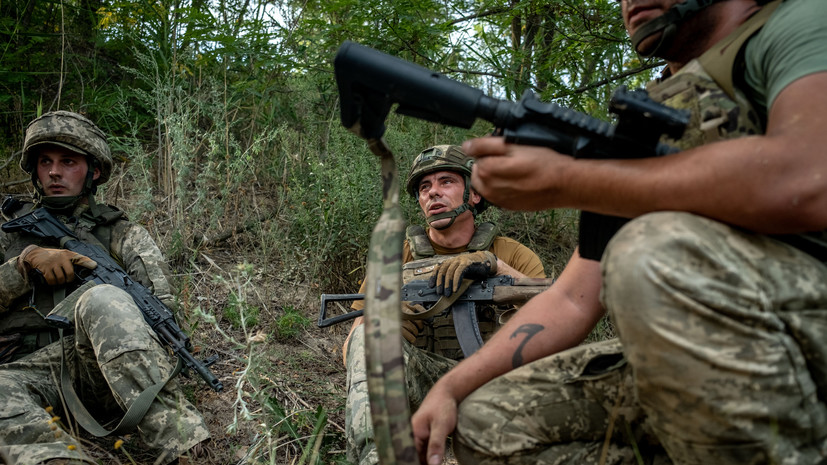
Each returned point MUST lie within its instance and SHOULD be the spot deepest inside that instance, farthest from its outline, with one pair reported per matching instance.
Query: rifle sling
(131, 418)
(441, 305)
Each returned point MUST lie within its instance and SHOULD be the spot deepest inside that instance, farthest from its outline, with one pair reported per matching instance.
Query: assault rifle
(498, 290)
(370, 82)
(42, 224)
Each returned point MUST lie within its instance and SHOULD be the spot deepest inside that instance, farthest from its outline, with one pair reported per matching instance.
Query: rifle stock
(42, 224)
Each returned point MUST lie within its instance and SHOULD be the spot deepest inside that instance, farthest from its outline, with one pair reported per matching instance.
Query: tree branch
(482, 14)
(610, 79)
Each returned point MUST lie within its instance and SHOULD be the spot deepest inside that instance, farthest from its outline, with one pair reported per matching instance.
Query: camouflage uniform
(733, 336)
(432, 354)
(112, 356)
(436, 349)
(422, 370)
(577, 407)
(723, 358)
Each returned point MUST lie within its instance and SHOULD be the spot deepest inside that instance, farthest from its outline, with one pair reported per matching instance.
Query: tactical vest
(25, 314)
(421, 247)
(438, 334)
(720, 110)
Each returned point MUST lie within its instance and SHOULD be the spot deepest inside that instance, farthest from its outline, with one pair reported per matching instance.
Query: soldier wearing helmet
(58, 139)
(112, 354)
(439, 180)
(717, 283)
(444, 158)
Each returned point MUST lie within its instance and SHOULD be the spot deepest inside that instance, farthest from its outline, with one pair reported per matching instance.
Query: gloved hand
(449, 274)
(411, 328)
(56, 265)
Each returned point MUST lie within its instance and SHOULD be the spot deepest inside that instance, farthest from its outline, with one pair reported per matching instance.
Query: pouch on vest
(439, 333)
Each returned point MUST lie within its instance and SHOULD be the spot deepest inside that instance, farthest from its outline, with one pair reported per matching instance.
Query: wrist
(454, 386)
(22, 268)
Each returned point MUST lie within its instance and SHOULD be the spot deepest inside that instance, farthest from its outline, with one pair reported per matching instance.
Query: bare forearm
(773, 183)
(555, 320)
(504, 269)
(727, 181)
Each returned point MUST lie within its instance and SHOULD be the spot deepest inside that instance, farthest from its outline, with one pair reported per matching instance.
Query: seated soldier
(440, 181)
(113, 355)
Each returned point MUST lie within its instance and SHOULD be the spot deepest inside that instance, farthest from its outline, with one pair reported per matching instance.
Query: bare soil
(301, 375)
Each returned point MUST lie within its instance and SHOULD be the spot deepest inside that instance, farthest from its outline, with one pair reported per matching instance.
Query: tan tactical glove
(56, 265)
(449, 274)
(411, 328)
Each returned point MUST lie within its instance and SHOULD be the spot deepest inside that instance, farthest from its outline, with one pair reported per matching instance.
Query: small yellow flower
(49, 409)
(54, 419)
(118, 444)
(71, 447)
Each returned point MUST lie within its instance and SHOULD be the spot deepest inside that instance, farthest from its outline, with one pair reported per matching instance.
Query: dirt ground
(262, 372)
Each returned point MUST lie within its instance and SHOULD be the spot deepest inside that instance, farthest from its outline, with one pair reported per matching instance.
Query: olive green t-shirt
(791, 45)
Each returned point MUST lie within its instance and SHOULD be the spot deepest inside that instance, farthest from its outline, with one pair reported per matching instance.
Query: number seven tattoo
(530, 331)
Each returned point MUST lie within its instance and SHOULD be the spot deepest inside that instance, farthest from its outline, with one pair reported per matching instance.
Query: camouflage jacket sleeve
(12, 283)
(142, 259)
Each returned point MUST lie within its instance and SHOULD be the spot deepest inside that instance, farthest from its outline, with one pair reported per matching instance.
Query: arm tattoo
(530, 330)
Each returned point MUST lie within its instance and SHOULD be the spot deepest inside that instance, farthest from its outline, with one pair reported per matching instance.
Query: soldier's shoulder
(506, 246)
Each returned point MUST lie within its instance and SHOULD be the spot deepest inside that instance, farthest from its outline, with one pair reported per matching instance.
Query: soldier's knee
(644, 250)
(104, 299)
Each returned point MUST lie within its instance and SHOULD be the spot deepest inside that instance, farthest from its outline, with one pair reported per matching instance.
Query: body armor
(439, 335)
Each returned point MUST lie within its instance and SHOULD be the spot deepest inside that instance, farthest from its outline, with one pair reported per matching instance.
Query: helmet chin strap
(453, 214)
(667, 23)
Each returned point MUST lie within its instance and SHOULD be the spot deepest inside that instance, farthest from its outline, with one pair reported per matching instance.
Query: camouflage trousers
(422, 370)
(113, 356)
(723, 332)
(577, 407)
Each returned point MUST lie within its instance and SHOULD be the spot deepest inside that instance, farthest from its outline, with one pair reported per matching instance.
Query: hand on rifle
(411, 328)
(56, 265)
(448, 275)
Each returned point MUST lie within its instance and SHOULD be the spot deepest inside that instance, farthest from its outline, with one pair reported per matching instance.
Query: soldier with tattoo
(717, 284)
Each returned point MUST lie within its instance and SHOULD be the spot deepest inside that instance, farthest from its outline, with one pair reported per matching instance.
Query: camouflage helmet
(438, 158)
(444, 158)
(70, 131)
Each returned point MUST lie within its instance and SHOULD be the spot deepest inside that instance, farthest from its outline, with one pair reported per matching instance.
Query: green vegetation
(291, 324)
(224, 117)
